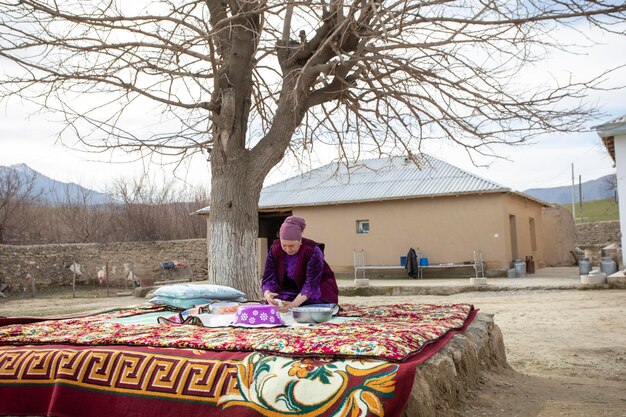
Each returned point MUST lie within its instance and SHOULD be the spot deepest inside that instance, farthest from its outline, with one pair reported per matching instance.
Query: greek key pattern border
(121, 371)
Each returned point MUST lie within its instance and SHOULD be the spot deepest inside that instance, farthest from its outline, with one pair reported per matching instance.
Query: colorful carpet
(94, 366)
(391, 332)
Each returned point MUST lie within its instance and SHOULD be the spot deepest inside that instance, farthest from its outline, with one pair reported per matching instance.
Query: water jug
(608, 265)
(520, 268)
(584, 266)
(614, 251)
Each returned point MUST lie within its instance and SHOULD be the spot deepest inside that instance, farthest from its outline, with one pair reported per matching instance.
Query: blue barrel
(423, 261)
(403, 261)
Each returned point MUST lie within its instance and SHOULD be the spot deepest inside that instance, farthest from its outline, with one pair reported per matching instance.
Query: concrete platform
(560, 278)
(617, 280)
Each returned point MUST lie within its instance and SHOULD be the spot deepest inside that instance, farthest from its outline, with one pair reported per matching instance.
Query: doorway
(513, 234)
(269, 225)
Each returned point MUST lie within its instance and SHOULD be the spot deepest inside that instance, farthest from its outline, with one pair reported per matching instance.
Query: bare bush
(18, 195)
(139, 210)
(147, 211)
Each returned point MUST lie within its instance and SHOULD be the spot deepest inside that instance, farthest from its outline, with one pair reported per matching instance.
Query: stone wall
(597, 234)
(50, 264)
(592, 237)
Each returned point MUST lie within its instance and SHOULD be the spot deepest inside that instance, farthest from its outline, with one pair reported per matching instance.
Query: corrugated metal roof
(374, 180)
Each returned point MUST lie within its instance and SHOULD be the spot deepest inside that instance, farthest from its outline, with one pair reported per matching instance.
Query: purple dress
(305, 273)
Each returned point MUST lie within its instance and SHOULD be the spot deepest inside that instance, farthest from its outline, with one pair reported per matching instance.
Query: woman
(295, 270)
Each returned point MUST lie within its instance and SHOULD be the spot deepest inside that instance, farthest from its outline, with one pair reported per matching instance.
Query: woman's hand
(269, 297)
(284, 306)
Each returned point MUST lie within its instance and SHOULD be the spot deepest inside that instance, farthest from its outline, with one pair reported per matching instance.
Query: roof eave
(531, 198)
(611, 130)
(373, 200)
(608, 132)
(205, 211)
(609, 144)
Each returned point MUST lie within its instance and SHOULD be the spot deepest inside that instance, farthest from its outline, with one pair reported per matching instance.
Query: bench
(360, 265)
(477, 265)
(421, 268)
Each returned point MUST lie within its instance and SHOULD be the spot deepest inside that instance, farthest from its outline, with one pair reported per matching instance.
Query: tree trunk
(234, 224)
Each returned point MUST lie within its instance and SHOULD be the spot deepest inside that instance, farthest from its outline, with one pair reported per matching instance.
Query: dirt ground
(567, 348)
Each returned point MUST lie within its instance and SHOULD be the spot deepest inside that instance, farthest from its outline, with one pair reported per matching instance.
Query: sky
(546, 162)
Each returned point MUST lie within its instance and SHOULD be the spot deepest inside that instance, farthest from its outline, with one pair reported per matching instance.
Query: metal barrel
(608, 265)
(584, 266)
(520, 267)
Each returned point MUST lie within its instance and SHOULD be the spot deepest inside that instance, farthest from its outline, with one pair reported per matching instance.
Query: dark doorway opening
(269, 225)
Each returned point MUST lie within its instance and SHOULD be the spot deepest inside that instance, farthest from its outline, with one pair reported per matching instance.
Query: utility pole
(580, 198)
(573, 195)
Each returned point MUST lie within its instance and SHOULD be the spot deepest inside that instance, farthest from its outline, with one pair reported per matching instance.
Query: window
(362, 226)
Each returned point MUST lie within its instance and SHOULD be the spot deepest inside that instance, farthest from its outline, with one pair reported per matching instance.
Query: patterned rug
(141, 381)
(390, 332)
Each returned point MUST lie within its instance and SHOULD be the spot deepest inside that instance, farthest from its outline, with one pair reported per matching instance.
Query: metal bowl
(312, 314)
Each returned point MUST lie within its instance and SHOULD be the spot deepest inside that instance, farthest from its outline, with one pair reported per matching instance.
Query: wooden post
(106, 276)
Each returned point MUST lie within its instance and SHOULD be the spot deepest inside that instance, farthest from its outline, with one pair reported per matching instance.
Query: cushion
(210, 291)
(183, 303)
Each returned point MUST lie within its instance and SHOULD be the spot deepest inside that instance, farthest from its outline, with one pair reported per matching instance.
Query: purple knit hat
(292, 228)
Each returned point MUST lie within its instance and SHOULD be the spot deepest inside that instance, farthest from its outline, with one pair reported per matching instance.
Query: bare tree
(81, 218)
(150, 211)
(18, 192)
(610, 184)
(248, 80)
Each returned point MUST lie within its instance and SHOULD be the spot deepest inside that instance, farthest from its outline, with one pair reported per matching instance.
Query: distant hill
(598, 189)
(55, 192)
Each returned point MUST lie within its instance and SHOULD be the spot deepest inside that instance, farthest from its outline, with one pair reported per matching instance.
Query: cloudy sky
(547, 161)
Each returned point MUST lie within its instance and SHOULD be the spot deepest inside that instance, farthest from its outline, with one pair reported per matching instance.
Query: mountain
(598, 189)
(52, 191)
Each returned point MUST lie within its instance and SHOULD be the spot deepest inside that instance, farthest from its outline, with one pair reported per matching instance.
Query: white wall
(620, 164)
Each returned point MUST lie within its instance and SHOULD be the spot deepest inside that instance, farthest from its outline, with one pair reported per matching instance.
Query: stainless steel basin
(312, 314)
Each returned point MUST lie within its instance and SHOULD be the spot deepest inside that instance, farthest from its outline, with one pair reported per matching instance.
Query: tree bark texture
(234, 227)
